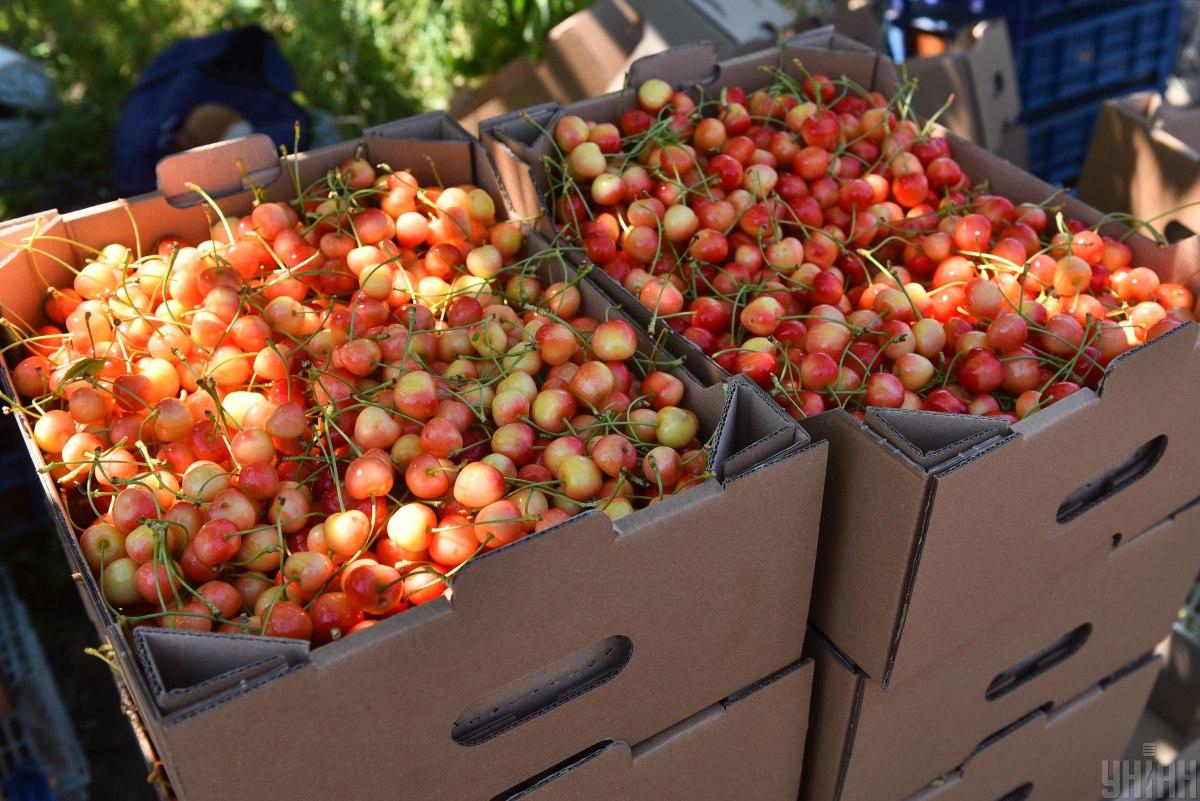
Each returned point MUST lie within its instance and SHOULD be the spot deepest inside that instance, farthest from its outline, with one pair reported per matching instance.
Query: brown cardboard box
(719, 753)
(541, 648)
(1145, 160)
(757, 732)
(867, 742)
(979, 74)
(1069, 752)
(588, 53)
(952, 522)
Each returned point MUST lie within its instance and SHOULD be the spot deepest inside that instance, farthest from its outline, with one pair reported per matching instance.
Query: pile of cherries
(311, 420)
(808, 235)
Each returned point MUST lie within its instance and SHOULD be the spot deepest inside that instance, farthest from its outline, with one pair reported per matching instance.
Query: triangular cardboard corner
(185, 667)
(932, 438)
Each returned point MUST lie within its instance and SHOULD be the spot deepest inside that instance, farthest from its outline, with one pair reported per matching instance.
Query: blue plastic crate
(1022, 15)
(1065, 50)
(1058, 141)
(1102, 50)
(37, 736)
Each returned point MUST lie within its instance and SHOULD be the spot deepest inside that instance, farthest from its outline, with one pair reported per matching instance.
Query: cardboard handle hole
(1028, 669)
(1108, 484)
(1020, 794)
(553, 772)
(507, 707)
(997, 84)
(1176, 231)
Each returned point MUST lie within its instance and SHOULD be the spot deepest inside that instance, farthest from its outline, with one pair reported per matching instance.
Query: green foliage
(364, 61)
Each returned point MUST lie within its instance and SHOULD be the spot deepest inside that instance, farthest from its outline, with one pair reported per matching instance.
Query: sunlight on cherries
(313, 419)
(811, 237)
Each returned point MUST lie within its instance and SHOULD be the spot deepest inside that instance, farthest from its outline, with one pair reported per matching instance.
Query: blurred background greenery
(362, 61)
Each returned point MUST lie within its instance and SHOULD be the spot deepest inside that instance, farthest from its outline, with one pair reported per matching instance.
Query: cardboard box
(868, 742)
(747, 746)
(900, 583)
(1069, 752)
(978, 79)
(541, 648)
(1145, 161)
(589, 52)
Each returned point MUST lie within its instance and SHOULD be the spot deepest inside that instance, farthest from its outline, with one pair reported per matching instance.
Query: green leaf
(84, 368)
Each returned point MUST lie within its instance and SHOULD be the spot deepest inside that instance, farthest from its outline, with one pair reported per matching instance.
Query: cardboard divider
(710, 589)
(746, 746)
(1081, 624)
(899, 583)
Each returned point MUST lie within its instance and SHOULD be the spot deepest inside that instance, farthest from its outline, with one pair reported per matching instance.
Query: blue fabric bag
(242, 70)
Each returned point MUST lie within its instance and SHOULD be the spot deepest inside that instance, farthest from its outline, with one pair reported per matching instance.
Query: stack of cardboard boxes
(986, 594)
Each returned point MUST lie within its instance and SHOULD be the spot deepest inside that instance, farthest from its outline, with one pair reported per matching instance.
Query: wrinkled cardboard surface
(1123, 599)
(746, 746)
(711, 588)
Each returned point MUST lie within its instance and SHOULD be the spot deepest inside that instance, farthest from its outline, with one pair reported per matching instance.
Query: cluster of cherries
(310, 421)
(809, 236)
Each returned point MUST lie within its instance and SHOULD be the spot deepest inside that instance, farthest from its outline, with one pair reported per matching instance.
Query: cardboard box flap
(1122, 379)
(834, 37)
(430, 126)
(932, 438)
(759, 431)
(228, 167)
(682, 67)
(520, 188)
(34, 255)
(184, 668)
(520, 126)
